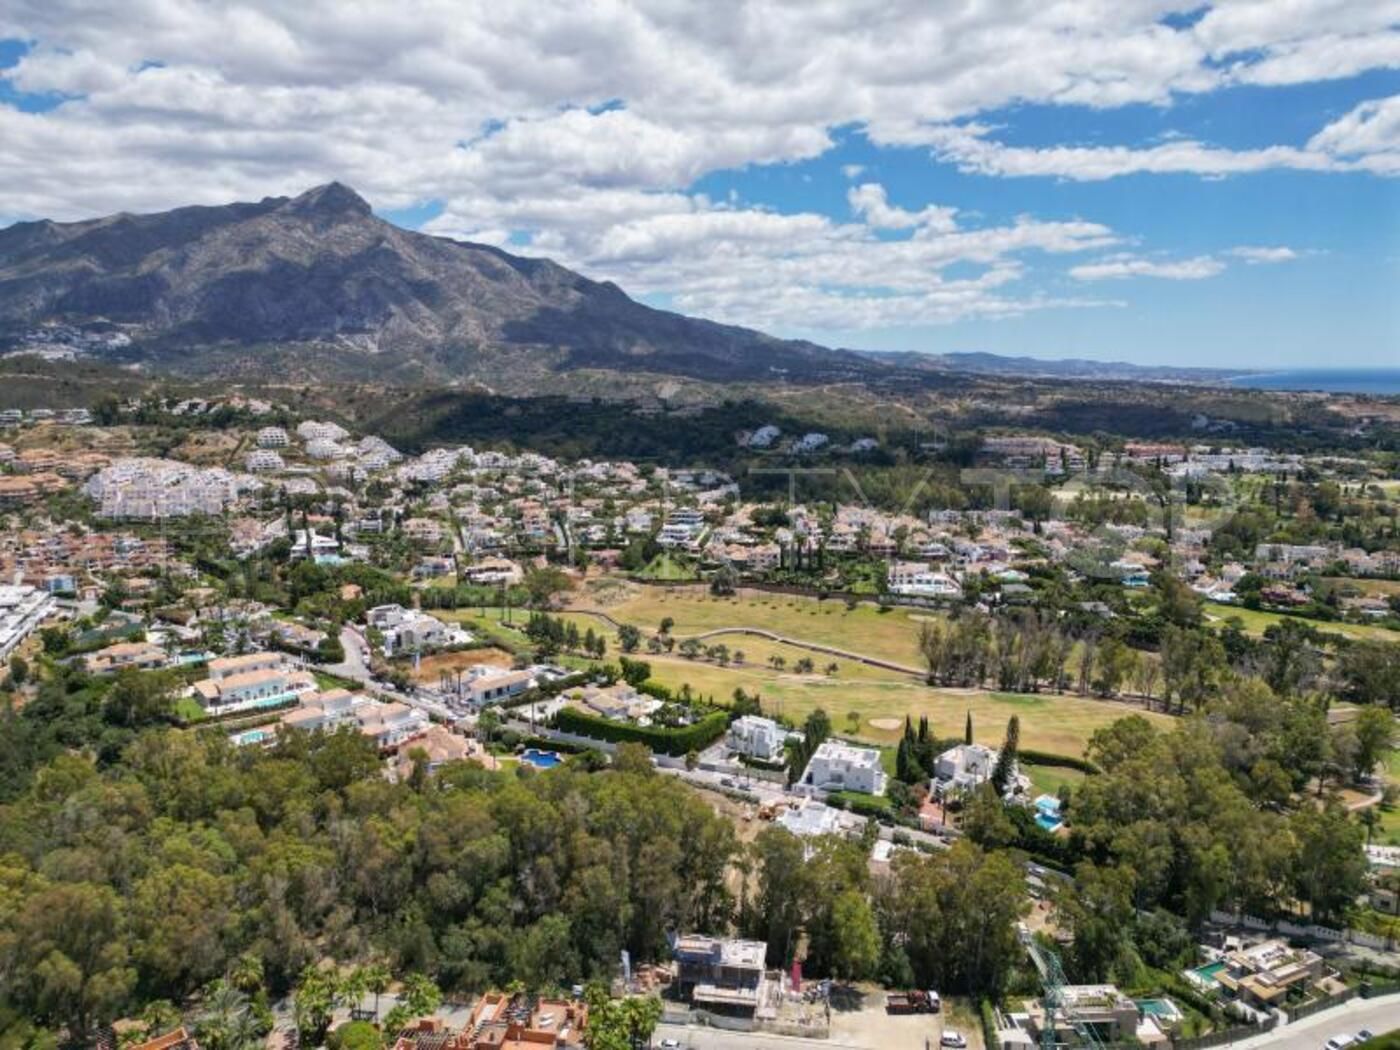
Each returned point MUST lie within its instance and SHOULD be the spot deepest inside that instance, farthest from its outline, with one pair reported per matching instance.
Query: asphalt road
(1376, 1015)
(694, 1037)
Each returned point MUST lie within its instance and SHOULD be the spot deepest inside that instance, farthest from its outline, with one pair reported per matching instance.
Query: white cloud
(583, 126)
(868, 200)
(1365, 139)
(1118, 267)
(1264, 255)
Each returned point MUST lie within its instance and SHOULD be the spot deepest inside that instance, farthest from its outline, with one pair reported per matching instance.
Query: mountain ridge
(321, 270)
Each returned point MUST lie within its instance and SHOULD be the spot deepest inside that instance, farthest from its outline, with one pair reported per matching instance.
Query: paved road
(1377, 1015)
(694, 1037)
(356, 667)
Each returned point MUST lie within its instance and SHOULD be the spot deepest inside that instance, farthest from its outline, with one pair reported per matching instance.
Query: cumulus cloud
(579, 129)
(868, 200)
(1365, 139)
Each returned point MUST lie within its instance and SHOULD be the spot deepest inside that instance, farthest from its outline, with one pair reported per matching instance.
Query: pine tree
(967, 729)
(1006, 761)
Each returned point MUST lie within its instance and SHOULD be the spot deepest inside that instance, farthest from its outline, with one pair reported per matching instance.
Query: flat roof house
(843, 767)
(1111, 1017)
(721, 975)
(1263, 974)
(757, 737)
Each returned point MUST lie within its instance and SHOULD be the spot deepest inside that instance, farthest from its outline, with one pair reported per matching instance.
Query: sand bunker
(886, 724)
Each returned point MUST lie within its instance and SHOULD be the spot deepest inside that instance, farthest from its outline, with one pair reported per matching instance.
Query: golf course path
(759, 632)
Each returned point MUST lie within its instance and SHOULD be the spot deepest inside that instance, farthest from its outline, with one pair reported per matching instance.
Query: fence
(1297, 1013)
(1226, 1035)
(1310, 931)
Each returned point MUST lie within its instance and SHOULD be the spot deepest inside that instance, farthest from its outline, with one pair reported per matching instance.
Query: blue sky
(1149, 181)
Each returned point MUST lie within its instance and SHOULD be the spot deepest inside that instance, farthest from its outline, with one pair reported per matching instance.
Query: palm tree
(227, 1021)
(353, 988)
(377, 980)
(246, 973)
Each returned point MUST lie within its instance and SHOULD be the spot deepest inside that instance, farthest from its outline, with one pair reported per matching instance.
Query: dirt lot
(870, 1026)
(432, 666)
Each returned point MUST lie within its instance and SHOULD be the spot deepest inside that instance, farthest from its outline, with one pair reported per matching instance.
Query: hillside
(318, 285)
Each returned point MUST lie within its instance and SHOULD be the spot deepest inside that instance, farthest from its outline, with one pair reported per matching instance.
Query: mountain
(317, 285)
(1049, 368)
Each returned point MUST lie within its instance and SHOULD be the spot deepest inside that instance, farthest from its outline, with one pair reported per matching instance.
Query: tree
(633, 758)
(634, 672)
(356, 1035)
(780, 860)
(967, 730)
(1375, 738)
(1098, 909)
(542, 584)
(1005, 769)
(312, 1003)
(19, 670)
(629, 638)
(70, 955)
(985, 821)
(856, 935)
(377, 978)
(420, 995)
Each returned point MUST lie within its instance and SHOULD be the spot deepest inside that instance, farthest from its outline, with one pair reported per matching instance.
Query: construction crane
(1052, 979)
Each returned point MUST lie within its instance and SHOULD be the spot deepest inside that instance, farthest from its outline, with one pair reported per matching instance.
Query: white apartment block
(22, 609)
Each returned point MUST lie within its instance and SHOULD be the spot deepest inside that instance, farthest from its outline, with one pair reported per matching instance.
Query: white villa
(757, 737)
(844, 767)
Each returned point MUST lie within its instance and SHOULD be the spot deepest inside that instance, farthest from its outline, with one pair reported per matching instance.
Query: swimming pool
(1208, 972)
(541, 759)
(1164, 1009)
(1048, 822)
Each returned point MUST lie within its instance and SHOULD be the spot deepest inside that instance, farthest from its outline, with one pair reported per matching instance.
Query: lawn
(187, 709)
(1047, 780)
(1058, 724)
(1255, 620)
(666, 568)
(891, 635)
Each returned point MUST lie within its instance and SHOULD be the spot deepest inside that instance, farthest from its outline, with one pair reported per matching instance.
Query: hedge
(661, 740)
(1049, 758)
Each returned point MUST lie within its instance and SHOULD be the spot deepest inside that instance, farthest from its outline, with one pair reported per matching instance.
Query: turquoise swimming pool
(541, 759)
(1209, 972)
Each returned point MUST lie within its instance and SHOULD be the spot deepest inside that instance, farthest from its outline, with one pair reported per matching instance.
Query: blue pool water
(1048, 822)
(541, 759)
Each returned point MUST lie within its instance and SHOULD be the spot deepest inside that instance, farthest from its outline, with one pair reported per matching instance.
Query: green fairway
(1255, 620)
(879, 698)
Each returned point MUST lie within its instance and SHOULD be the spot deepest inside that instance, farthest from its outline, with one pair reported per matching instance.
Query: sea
(1332, 380)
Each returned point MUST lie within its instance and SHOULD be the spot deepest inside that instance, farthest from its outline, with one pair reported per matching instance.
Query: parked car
(1365, 1035)
(670, 1044)
(1339, 1042)
(953, 1040)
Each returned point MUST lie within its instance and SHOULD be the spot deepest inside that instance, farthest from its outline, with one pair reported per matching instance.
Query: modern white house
(918, 579)
(844, 767)
(810, 819)
(757, 737)
(963, 769)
